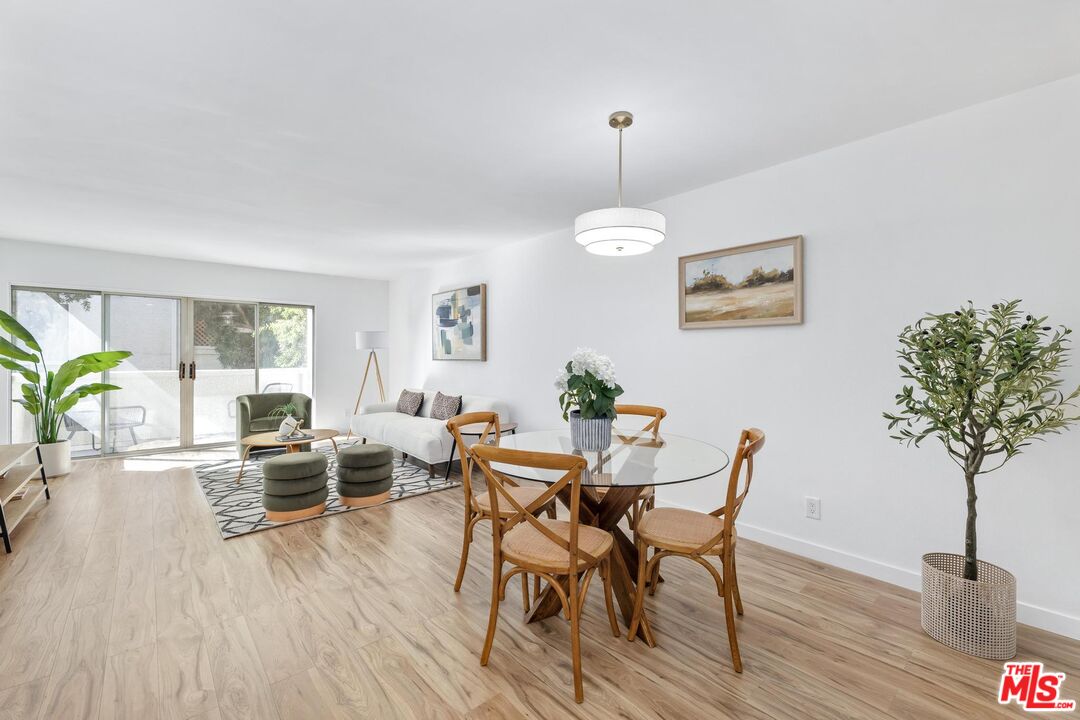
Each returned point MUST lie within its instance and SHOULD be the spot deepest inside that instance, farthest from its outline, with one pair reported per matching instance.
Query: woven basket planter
(977, 617)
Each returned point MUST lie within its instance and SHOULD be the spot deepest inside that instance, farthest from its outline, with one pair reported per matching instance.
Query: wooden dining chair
(478, 505)
(647, 500)
(657, 414)
(697, 536)
(546, 547)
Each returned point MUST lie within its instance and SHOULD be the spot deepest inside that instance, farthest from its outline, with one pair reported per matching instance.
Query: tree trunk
(971, 569)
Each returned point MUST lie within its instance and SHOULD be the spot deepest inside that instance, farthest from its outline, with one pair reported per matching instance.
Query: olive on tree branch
(985, 383)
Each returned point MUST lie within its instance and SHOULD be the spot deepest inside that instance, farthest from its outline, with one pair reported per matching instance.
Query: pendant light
(620, 230)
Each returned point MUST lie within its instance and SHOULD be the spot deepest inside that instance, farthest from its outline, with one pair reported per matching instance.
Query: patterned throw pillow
(409, 402)
(445, 407)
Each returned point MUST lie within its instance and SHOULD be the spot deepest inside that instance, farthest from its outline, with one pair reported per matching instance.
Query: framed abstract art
(459, 324)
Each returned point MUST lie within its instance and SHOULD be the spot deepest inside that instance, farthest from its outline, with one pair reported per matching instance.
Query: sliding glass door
(190, 360)
(145, 413)
(223, 366)
(66, 323)
(285, 342)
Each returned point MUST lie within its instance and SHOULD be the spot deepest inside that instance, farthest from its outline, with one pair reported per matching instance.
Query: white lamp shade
(620, 230)
(371, 339)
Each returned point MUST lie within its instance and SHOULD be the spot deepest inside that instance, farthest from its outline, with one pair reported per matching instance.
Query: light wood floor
(122, 600)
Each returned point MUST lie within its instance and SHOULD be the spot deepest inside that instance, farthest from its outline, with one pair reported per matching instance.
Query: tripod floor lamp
(370, 340)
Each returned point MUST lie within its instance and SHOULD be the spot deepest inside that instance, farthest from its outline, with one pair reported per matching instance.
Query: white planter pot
(56, 457)
(977, 617)
(593, 434)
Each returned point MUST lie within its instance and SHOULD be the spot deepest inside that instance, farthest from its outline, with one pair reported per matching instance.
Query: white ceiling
(358, 138)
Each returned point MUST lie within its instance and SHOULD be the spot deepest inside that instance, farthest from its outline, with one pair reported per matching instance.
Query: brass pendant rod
(620, 167)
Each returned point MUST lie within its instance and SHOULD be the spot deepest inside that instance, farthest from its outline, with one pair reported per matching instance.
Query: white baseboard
(1034, 615)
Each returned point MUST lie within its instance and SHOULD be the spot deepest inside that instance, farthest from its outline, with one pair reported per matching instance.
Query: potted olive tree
(47, 394)
(985, 383)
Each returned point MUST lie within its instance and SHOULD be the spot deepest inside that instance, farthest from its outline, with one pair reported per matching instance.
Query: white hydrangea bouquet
(587, 397)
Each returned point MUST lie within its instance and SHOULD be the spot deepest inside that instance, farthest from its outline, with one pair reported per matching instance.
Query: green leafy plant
(283, 335)
(985, 384)
(285, 409)
(228, 329)
(45, 394)
(588, 383)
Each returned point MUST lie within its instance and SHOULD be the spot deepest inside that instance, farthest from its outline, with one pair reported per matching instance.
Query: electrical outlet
(813, 508)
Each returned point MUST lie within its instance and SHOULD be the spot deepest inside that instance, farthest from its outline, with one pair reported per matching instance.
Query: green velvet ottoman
(294, 486)
(365, 474)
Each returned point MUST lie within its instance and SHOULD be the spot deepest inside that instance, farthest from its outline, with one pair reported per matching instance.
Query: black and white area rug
(238, 506)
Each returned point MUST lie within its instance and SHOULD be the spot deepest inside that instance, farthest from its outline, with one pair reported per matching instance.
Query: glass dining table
(613, 481)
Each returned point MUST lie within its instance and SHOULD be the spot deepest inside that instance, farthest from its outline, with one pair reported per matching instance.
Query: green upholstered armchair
(253, 413)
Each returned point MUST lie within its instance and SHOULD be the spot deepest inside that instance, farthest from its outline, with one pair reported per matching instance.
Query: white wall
(342, 305)
(982, 204)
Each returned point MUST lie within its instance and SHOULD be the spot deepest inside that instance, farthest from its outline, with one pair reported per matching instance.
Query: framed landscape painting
(459, 324)
(759, 284)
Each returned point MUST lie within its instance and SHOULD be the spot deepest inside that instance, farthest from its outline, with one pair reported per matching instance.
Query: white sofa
(420, 436)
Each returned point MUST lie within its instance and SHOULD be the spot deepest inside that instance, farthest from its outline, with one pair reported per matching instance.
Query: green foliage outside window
(228, 329)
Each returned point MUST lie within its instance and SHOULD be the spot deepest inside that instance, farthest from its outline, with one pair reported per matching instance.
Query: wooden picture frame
(459, 323)
(751, 296)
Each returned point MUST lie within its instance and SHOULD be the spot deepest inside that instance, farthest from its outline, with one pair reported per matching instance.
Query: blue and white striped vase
(592, 434)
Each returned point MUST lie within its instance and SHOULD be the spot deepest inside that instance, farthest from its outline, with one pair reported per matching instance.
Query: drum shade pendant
(620, 230)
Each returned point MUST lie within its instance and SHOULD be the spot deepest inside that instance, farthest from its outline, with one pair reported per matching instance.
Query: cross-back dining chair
(478, 506)
(656, 415)
(697, 536)
(548, 548)
(647, 499)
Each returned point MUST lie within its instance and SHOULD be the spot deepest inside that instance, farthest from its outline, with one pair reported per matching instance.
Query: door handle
(182, 368)
(191, 370)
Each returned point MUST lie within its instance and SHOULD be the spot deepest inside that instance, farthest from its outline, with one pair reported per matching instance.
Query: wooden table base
(604, 513)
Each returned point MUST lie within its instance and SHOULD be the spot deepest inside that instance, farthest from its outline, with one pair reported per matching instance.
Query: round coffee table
(269, 440)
